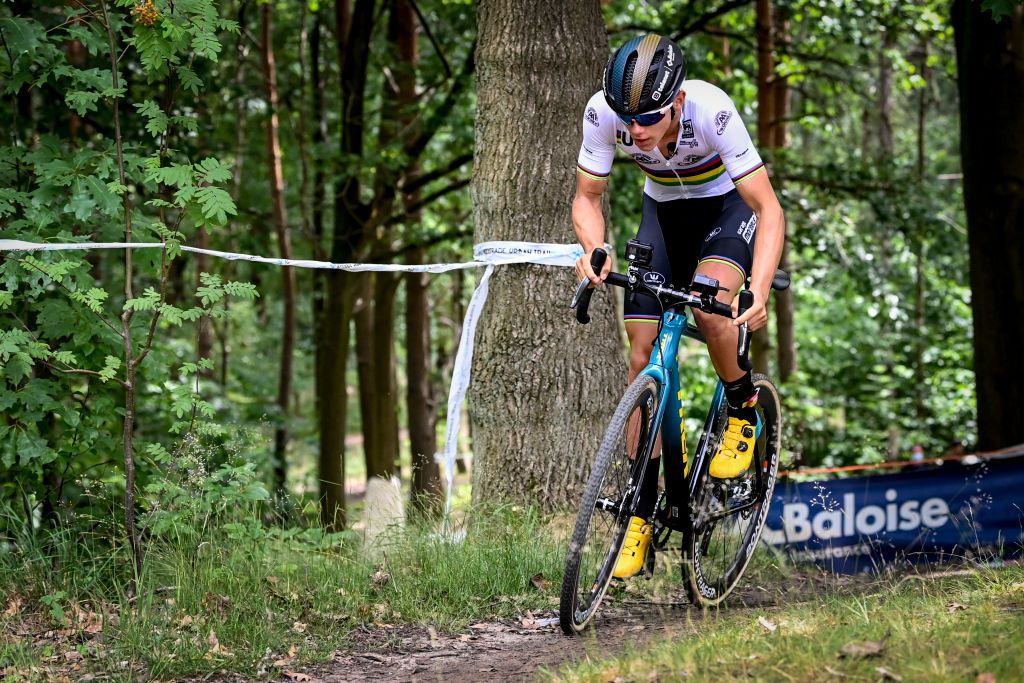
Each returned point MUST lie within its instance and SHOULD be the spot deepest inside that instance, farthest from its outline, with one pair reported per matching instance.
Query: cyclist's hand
(583, 269)
(756, 316)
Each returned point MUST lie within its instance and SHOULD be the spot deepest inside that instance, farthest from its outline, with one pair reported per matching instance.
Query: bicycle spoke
(607, 506)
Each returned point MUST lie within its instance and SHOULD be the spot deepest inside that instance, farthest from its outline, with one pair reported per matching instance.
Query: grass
(924, 629)
(242, 604)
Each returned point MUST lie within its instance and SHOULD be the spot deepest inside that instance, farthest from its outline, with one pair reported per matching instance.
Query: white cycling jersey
(713, 151)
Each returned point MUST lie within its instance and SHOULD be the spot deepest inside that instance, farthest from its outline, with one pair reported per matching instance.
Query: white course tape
(485, 254)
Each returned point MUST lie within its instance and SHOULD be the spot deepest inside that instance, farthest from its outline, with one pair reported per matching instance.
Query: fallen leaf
(72, 656)
(341, 591)
(272, 580)
(987, 677)
(838, 674)
(13, 606)
(888, 675)
(768, 625)
(296, 676)
(868, 648)
(213, 641)
(380, 578)
(299, 627)
(955, 607)
(185, 621)
(539, 582)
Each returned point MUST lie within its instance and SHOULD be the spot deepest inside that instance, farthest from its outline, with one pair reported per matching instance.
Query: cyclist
(708, 207)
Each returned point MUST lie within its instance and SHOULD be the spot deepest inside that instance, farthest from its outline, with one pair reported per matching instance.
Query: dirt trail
(509, 651)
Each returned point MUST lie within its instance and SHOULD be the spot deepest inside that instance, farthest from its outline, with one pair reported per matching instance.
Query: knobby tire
(715, 554)
(598, 534)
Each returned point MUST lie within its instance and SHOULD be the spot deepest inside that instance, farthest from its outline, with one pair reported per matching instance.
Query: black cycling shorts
(687, 232)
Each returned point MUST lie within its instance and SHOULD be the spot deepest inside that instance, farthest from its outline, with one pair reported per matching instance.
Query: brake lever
(743, 343)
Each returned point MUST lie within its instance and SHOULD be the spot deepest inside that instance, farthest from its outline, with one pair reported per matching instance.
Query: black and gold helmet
(643, 75)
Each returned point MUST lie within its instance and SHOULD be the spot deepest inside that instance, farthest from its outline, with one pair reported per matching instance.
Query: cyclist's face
(648, 137)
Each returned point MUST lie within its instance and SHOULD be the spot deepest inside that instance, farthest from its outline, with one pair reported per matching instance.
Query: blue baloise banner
(926, 514)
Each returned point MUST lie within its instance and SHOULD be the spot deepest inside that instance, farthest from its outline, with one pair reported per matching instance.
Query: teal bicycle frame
(663, 368)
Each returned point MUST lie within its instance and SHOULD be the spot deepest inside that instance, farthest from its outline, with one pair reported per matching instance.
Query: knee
(639, 355)
(713, 326)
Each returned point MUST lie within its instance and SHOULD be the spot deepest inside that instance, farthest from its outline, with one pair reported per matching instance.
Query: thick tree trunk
(543, 387)
(990, 60)
(276, 178)
(333, 329)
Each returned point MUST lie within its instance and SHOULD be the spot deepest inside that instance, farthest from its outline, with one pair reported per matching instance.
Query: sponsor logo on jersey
(713, 233)
(848, 521)
(624, 138)
(742, 153)
(692, 158)
(644, 159)
(722, 119)
(653, 278)
(689, 143)
(746, 229)
(687, 127)
(592, 117)
(588, 150)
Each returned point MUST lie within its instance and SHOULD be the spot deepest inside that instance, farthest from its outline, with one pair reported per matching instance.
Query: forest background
(150, 392)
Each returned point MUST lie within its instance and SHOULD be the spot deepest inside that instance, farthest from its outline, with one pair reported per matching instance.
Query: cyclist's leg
(727, 256)
(643, 314)
(642, 317)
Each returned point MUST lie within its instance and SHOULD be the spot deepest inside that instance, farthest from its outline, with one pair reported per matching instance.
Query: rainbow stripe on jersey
(702, 173)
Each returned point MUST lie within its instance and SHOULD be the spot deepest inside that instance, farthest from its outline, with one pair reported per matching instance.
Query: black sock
(649, 490)
(738, 393)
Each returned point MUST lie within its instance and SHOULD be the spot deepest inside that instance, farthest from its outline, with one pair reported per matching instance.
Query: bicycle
(720, 520)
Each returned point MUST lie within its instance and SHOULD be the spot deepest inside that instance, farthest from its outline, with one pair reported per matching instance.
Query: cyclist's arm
(588, 222)
(759, 195)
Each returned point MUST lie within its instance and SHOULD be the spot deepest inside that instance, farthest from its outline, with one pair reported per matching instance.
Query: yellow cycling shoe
(634, 549)
(736, 450)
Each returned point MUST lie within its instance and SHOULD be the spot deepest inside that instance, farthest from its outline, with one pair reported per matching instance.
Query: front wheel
(727, 515)
(608, 503)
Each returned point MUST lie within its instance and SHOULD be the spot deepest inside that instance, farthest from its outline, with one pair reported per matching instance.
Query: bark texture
(543, 386)
(990, 60)
(276, 179)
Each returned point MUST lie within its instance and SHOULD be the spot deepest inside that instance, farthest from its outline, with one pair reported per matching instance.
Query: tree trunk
(425, 480)
(785, 335)
(333, 330)
(543, 387)
(276, 177)
(990, 61)
(760, 342)
(204, 332)
(384, 388)
(885, 141)
(333, 343)
(362, 317)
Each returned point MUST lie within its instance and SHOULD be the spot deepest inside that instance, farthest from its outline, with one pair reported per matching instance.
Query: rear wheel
(727, 515)
(607, 505)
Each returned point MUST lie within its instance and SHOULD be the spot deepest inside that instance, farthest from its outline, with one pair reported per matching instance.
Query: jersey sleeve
(727, 134)
(598, 149)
